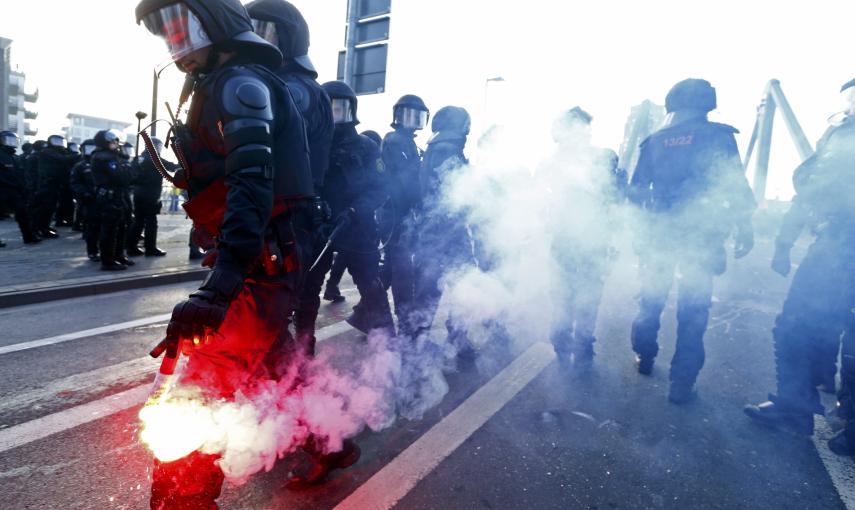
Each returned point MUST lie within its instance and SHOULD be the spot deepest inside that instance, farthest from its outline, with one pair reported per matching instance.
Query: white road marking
(85, 333)
(840, 469)
(146, 321)
(45, 426)
(389, 485)
(55, 423)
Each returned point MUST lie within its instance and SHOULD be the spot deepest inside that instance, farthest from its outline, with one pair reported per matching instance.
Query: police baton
(342, 224)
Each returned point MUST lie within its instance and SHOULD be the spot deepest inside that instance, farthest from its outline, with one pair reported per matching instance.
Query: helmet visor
(128, 150)
(410, 118)
(57, 141)
(180, 28)
(73, 147)
(342, 110)
(9, 140)
(88, 150)
(266, 30)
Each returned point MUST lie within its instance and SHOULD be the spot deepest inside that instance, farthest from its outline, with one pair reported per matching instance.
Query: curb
(20, 297)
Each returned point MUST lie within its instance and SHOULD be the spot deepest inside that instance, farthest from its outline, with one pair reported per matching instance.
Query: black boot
(778, 416)
(48, 234)
(644, 364)
(323, 464)
(333, 294)
(841, 444)
(126, 261)
(681, 393)
(196, 254)
(134, 251)
(157, 252)
(113, 266)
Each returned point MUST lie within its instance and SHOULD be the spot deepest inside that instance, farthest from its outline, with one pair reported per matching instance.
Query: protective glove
(195, 320)
(744, 241)
(781, 263)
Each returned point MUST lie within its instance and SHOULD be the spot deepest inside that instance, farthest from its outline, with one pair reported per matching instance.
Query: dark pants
(146, 209)
(846, 395)
(46, 199)
(363, 263)
(337, 270)
(694, 299)
(815, 311)
(65, 206)
(400, 274)
(582, 282)
(443, 246)
(91, 225)
(15, 200)
(112, 219)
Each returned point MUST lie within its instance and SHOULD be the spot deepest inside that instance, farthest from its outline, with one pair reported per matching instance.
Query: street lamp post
(487, 88)
(140, 117)
(154, 86)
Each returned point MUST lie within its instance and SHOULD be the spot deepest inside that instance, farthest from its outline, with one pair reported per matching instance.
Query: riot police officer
(31, 167)
(402, 160)
(112, 179)
(54, 165)
(249, 168)
(282, 24)
(442, 239)
(353, 189)
(13, 185)
(588, 178)
(83, 186)
(690, 187)
(148, 186)
(819, 303)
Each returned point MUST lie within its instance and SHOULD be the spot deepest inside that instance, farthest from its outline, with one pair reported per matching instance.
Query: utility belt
(107, 193)
(281, 252)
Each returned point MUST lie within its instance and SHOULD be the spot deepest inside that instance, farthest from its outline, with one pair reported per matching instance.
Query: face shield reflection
(180, 28)
(128, 150)
(88, 150)
(342, 111)
(266, 30)
(57, 141)
(9, 140)
(410, 118)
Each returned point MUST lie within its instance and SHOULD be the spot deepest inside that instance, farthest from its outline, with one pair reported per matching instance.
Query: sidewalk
(62, 262)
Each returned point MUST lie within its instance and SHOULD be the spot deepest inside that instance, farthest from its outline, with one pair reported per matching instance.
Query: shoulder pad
(246, 95)
(300, 95)
(724, 127)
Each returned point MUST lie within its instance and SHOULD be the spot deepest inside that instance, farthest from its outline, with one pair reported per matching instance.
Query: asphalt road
(516, 431)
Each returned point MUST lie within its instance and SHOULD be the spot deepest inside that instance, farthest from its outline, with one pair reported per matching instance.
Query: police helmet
(450, 123)
(127, 149)
(374, 136)
(106, 140)
(691, 94)
(9, 139)
(280, 23)
(87, 147)
(190, 25)
(39, 145)
(567, 126)
(56, 141)
(410, 112)
(74, 147)
(344, 102)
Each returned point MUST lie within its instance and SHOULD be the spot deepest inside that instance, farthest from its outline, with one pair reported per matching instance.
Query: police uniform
(819, 303)
(690, 183)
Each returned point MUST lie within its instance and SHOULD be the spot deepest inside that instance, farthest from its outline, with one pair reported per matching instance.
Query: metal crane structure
(761, 138)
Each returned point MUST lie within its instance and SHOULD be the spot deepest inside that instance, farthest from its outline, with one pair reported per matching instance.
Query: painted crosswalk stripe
(55, 423)
(389, 485)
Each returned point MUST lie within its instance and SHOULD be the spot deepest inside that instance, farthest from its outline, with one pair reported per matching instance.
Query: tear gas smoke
(538, 222)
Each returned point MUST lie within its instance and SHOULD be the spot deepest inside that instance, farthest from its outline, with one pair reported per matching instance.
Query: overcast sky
(90, 57)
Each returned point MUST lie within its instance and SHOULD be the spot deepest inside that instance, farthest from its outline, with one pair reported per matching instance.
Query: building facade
(15, 104)
(83, 127)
